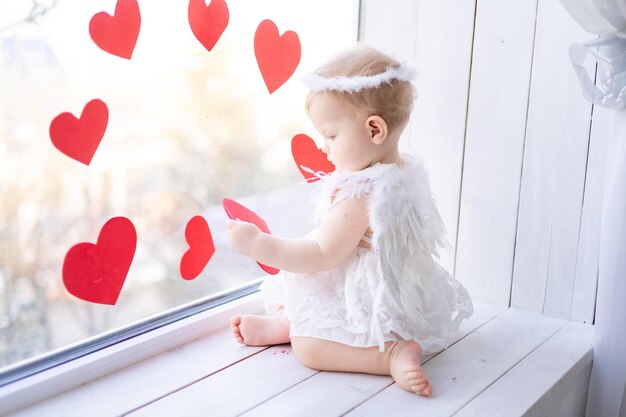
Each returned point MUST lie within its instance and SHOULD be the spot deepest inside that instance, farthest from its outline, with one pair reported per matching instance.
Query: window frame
(68, 368)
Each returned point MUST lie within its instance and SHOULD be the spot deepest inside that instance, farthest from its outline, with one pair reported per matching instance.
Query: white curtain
(607, 18)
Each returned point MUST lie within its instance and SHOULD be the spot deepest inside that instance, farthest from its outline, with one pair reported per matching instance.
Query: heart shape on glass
(277, 56)
(208, 22)
(309, 158)
(117, 34)
(201, 248)
(96, 273)
(79, 138)
(234, 210)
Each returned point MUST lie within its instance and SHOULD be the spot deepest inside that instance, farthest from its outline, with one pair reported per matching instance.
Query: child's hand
(242, 236)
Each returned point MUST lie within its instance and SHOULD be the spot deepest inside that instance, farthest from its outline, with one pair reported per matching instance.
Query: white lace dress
(393, 291)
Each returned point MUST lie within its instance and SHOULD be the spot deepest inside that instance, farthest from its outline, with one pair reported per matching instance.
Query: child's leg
(260, 330)
(401, 360)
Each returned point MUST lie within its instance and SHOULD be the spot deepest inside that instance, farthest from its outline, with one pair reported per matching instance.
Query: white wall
(515, 163)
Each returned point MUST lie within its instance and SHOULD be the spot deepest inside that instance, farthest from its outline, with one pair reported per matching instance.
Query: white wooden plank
(568, 398)
(334, 393)
(571, 400)
(325, 394)
(390, 29)
(533, 386)
(156, 376)
(235, 389)
(464, 370)
(503, 42)
(553, 177)
(583, 303)
(444, 32)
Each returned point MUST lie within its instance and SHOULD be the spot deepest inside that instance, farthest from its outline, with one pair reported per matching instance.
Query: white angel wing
(404, 214)
(408, 232)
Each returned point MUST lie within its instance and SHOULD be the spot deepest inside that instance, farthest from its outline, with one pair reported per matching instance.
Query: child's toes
(415, 374)
(238, 336)
(423, 388)
(235, 321)
(418, 385)
(418, 382)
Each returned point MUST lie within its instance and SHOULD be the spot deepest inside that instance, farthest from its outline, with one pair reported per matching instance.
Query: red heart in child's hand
(96, 273)
(208, 22)
(117, 34)
(234, 210)
(309, 157)
(277, 56)
(201, 248)
(79, 138)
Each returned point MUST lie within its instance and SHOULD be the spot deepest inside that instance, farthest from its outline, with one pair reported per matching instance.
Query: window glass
(186, 128)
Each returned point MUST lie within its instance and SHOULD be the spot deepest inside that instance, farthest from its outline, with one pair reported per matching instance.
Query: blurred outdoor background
(187, 127)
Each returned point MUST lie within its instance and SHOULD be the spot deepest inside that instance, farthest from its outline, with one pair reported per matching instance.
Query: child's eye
(331, 137)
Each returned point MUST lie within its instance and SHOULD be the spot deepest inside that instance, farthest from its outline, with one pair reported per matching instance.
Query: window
(186, 128)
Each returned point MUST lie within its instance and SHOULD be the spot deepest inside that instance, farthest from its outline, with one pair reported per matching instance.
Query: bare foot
(406, 369)
(260, 330)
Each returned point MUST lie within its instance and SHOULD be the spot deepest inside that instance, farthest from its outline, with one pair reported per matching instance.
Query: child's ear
(377, 129)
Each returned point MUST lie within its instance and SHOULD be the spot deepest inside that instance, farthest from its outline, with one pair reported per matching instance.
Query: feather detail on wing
(403, 212)
(407, 233)
(401, 207)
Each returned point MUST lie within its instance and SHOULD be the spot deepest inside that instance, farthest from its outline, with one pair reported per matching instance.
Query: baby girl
(362, 292)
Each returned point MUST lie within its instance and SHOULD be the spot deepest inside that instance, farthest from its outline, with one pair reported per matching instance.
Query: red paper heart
(201, 248)
(79, 138)
(307, 155)
(277, 56)
(96, 273)
(234, 210)
(208, 22)
(117, 34)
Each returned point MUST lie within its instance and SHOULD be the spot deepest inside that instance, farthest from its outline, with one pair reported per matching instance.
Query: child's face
(347, 142)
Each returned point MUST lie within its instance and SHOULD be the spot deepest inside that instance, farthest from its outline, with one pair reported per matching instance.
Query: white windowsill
(502, 362)
(98, 364)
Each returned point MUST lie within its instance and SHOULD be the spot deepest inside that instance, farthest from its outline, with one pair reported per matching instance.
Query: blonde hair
(392, 101)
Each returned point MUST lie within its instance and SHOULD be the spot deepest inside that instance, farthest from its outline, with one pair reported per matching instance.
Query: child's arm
(338, 235)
